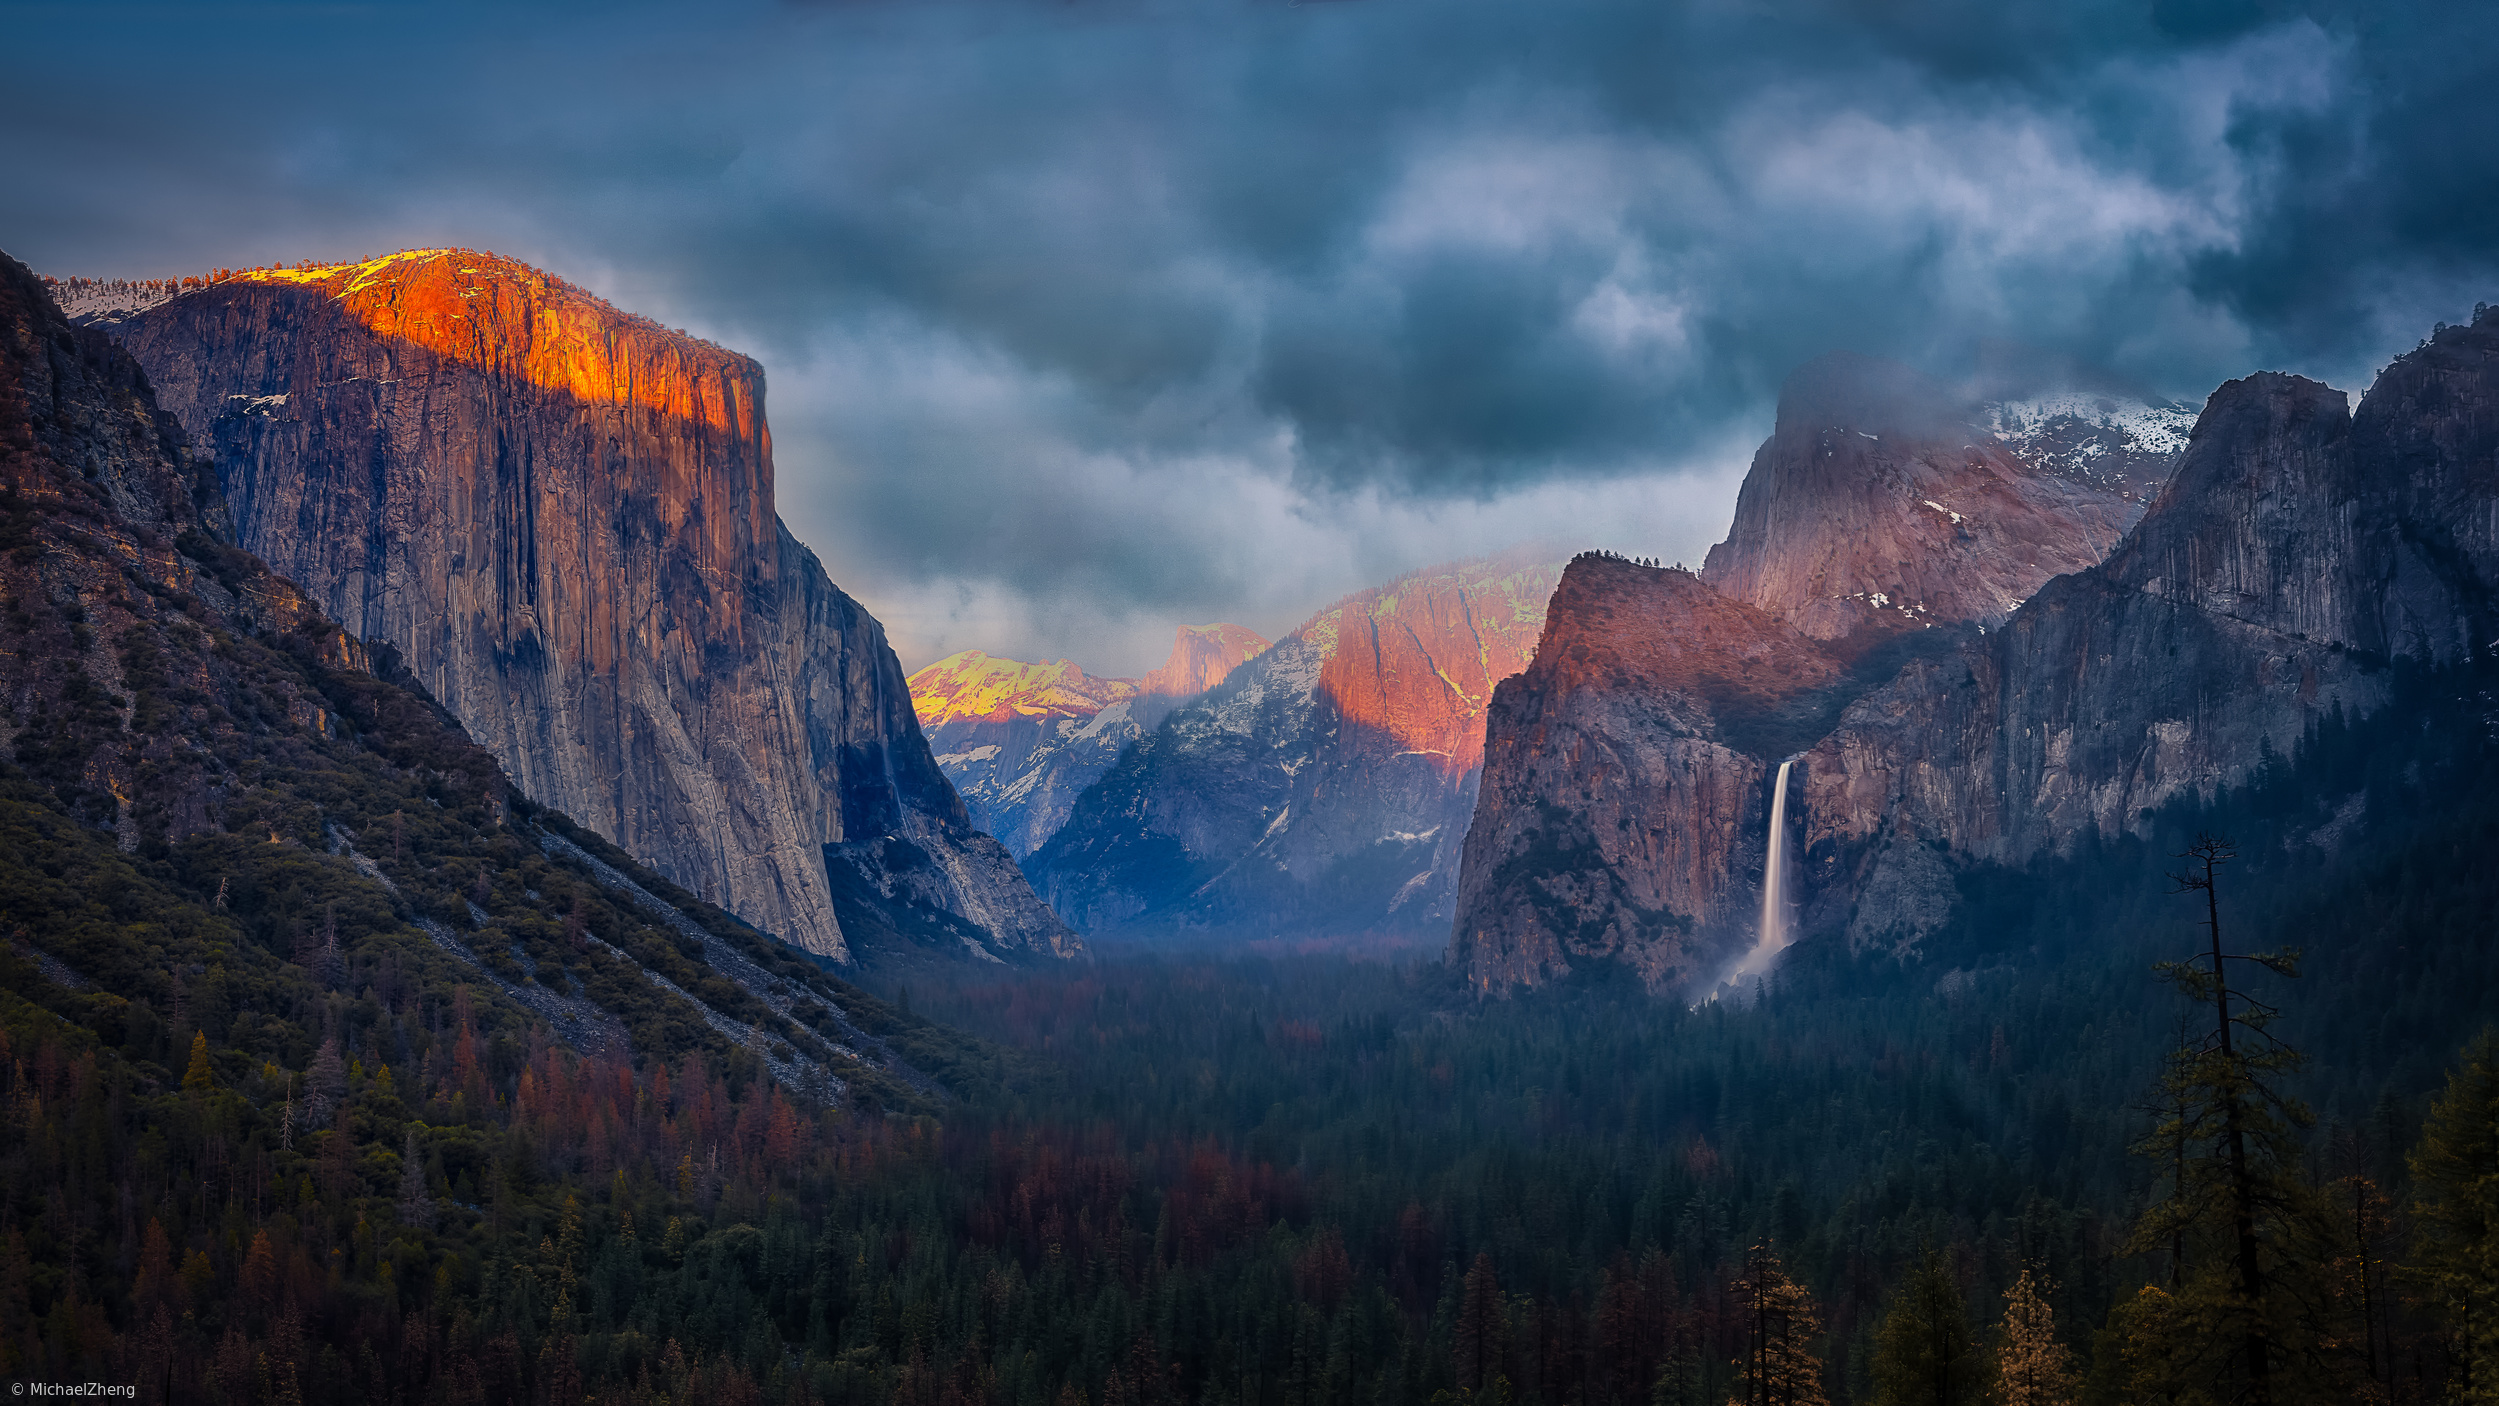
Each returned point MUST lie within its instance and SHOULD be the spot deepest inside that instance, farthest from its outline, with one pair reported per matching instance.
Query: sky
(1087, 318)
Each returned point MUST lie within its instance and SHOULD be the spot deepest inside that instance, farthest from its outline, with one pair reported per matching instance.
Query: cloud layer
(1088, 318)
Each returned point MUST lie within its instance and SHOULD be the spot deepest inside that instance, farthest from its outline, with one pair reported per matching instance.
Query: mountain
(1021, 741)
(188, 733)
(972, 685)
(561, 515)
(1201, 657)
(1324, 784)
(2303, 562)
(1884, 528)
(1618, 816)
(303, 1005)
(1882, 502)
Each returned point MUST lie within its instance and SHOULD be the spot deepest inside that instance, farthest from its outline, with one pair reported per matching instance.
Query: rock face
(1022, 741)
(1880, 503)
(166, 696)
(1623, 815)
(2296, 552)
(562, 515)
(1325, 784)
(1885, 522)
(1201, 656)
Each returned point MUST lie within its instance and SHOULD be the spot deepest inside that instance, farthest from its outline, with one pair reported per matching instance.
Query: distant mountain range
(1022, 741)
(1324, 786)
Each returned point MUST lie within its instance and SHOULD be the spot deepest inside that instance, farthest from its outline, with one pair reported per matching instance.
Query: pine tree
(1780, 1323)
(327, 1080)
(2455, 1208)
(1477, 1346)
(2244, 1230)
(2033, 1368)
(2360, 1268)
(200, 1075)
(416, 1205)
(1924, 1354)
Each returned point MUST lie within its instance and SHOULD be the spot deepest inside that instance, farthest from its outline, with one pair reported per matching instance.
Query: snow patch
(103, 302)
(2091, 437)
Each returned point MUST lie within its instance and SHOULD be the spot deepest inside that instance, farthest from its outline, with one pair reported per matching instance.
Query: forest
(261, 1146)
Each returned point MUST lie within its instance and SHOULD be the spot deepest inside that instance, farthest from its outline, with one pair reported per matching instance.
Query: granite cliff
(1201, 657)
(1325, 784)
(1887, 527)
(1623, 809)
(1882, 502)
(1022, 741)
(562, 517)
(2301, 559)
(224, 817)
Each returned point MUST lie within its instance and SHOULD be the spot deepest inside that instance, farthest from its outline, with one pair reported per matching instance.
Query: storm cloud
(1083, 319)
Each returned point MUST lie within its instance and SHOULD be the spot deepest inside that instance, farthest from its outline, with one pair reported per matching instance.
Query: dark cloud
(1084, 315)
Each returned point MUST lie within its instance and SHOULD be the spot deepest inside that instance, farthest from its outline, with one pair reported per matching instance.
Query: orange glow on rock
(1417, 659)
(505, 317)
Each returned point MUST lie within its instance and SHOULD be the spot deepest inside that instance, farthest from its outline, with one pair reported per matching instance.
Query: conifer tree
(1780, 1324)
(1925, 1354)
(1477, 1346)
(200, 1075)
(2033, 1367)
(327, 1079)
(2455, 1208)
(2244, 1321)
(2360, 1267)
(416, 1204)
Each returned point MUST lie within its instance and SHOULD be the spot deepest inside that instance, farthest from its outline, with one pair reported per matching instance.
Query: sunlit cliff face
(1201, 655)
(520, 324)
(975, 685)
(1417, 659)
(506, 317)
(972, 684)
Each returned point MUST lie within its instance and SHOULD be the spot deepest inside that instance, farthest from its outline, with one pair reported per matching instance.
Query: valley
(488, 919)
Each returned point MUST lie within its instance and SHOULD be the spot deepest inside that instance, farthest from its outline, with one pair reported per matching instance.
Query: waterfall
(1774, 935)
(1774, 875)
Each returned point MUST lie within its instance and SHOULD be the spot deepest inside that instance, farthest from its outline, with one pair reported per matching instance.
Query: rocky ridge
(1622, 806)
(1884, 522)
(186, 732)
(1022, 741)
(1325, 784)
(2300, 550)
(1882, 502)
(562, 516)
(2295, 552)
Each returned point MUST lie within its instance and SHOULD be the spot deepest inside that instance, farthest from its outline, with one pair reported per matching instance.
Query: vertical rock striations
(1022, 741)
(563, 516)
(1880, 503)
(2297, 553)
(1201, 656)
(1325, 784)
(1623, 800)
(1884, 523)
